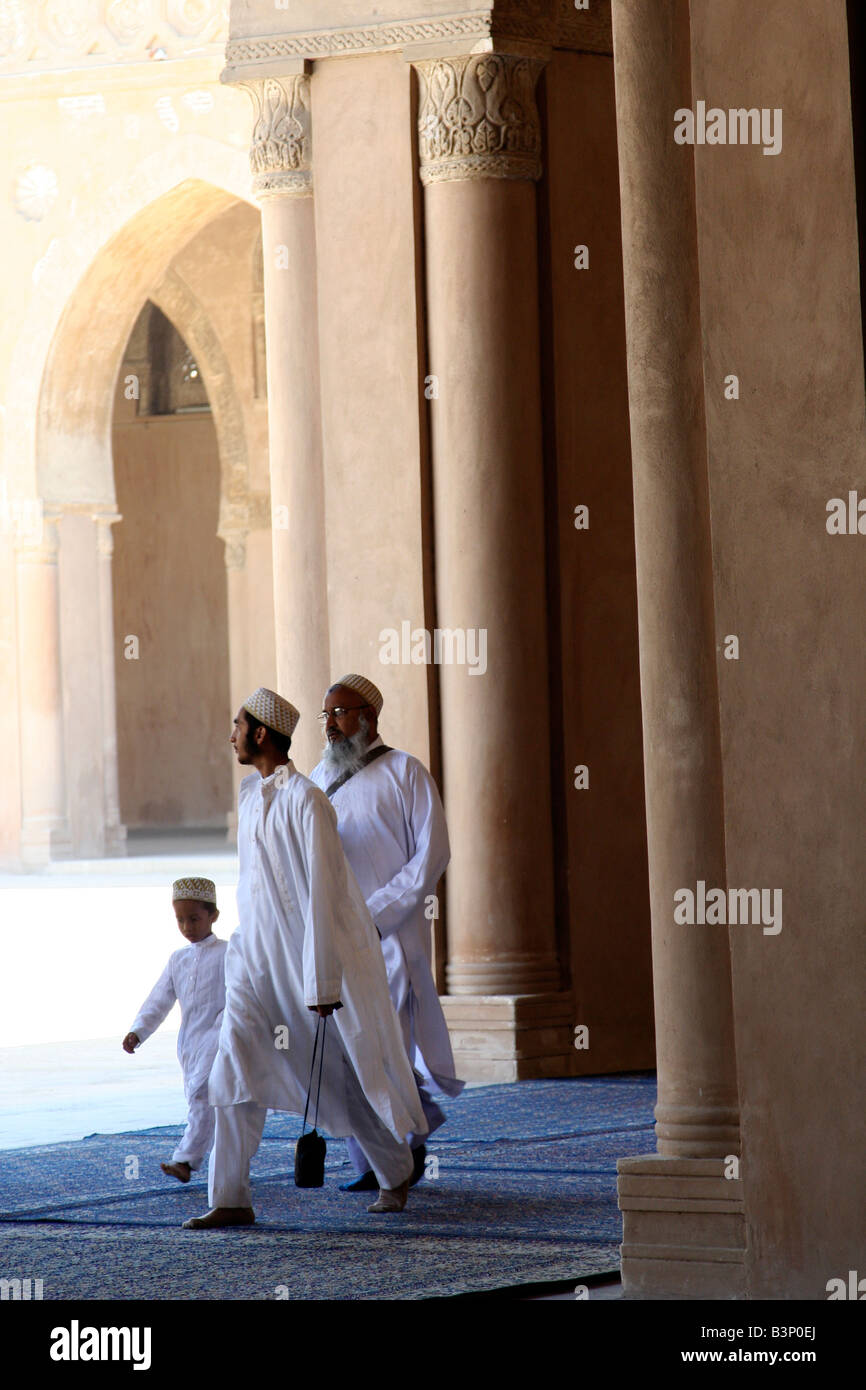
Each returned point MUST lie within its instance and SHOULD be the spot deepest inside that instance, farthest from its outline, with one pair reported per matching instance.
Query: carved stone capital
(38, 542)
(104, 538)
(235, 554)
(282, 145)
(477, 118)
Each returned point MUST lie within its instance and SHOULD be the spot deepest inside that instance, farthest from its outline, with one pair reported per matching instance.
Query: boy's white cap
(201, 890)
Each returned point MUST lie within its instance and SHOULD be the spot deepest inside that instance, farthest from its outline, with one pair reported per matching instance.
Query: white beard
(347, 754)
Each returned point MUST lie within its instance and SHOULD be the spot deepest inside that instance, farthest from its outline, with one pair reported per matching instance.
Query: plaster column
(480, 153)
(114, 830)
(697, 1114)
(240, 679)
(280, 158)
(45, 830)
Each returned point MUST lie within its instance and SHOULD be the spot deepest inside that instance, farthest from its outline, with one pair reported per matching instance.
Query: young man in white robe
(393, 830)
(194, 978)
(305, 946)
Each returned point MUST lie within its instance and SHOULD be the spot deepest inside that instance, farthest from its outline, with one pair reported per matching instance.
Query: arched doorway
(190, 252)
(171, 647)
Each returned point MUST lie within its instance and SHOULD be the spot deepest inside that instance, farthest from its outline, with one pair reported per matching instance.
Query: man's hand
(324, 1009)
(131, 1042)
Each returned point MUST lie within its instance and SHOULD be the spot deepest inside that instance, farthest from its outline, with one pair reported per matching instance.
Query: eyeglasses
(339, 711)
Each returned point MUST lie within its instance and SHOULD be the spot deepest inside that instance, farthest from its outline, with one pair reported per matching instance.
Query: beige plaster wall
(10, 786)
(175, 763)
(371, 377)
(602, 858)
(780, 306)
(110, 170)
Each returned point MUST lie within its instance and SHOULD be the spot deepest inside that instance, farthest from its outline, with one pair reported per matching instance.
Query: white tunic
(305, 937)
(393, 830)
(193, 978)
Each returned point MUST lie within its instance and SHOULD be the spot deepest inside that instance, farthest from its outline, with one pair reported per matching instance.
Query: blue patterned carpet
(525, 1193)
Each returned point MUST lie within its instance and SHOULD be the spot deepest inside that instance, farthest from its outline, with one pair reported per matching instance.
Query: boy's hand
(131, 1042)
(323, 1010)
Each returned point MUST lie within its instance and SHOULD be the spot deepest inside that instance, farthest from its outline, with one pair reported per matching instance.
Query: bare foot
(221, 1216)
(181, 1171)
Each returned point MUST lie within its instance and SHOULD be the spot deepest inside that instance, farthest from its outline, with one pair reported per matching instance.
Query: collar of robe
(277, 777)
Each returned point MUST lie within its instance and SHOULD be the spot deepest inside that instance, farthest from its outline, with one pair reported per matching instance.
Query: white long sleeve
(399, 900)
(323, 974)
(156, 1007)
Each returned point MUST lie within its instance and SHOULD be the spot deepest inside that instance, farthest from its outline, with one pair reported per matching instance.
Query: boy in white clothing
(195, 978)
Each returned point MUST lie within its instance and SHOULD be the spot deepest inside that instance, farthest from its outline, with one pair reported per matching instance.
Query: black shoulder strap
(370, 757)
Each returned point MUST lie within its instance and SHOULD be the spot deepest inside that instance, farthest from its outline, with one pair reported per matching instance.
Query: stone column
(480, 154)
(281, 161)
(45, 830)
(240, 680)
(683, 1223)
(114, 830)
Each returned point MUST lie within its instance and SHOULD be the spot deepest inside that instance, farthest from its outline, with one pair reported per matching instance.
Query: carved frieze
(556, 23)
(40, 35)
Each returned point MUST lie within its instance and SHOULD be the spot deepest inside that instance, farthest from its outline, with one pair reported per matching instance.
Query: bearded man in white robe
(305, 945)
(393, 830)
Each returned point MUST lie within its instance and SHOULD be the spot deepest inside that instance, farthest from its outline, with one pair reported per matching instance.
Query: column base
(44, 840)
(115, 841)
(511, 1037)
(684, 1229)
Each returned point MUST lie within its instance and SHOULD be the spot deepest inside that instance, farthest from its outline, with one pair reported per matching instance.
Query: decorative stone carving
(40, 545)
(553, 22)
(35, 192)
(45, 35)
(104, 537)
(235, 554)
(126, 18)
(190, 16)
(373, 37)
(259, 513)
(477, 118)
(281, 150)
(15, 23)
(68, 22)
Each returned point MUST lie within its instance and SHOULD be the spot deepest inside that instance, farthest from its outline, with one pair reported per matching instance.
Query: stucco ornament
(127, 18)
(68, 22)
(190, 16)
(35, 192)
(14, 27)
(477, 118)
(281, 150)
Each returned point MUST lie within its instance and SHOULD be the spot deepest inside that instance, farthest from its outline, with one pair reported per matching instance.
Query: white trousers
(198, 1135)
(239, 1131)
(403, 999)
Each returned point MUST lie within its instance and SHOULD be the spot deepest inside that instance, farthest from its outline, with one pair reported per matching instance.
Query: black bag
(310, 1148)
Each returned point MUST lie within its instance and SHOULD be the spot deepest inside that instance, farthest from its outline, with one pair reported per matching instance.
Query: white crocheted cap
(273, 711)
(365, 688)
(201, 890)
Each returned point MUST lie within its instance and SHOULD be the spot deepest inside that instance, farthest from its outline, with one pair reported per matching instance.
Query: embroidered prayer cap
(273, 711)
(201, 890)
(366, 689)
